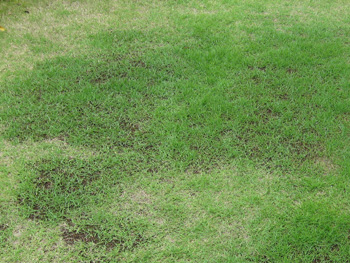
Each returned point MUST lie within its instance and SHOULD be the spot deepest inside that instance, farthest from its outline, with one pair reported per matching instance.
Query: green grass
(175, 131)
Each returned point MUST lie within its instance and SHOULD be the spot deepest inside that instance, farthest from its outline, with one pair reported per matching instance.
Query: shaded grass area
(219, 135)
(160, 99)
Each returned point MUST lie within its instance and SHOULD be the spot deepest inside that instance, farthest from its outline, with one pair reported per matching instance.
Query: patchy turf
(58, 185)
(109, 232)
(175, 131)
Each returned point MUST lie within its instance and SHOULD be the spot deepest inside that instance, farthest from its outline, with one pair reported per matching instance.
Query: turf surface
(175, 131)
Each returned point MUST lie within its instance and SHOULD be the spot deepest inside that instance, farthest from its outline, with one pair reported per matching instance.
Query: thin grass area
(174, 131)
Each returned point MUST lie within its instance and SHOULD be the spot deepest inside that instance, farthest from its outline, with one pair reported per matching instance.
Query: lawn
(175, 131)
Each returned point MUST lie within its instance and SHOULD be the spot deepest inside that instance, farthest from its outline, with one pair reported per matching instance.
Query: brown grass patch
(89, 233)
(326, 164)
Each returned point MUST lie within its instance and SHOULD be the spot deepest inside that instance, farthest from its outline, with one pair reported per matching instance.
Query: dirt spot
(104, 77)
(70, 237)
(301, 147)
(322, 259)
(138, 63)
(3, 227)
(256, 79)
(202, 167)
(100, 74)
(262, 68)
(264, 259)
(112, 58)
(94, 234)
(266, 114)
(58, 185)
(335, 247)
(291, 70)
(254, 152)
(69, 179)
(127, 125)
(152, 170)
(283, 96)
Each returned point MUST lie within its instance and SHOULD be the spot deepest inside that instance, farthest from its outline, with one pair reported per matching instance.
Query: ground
(175, 131)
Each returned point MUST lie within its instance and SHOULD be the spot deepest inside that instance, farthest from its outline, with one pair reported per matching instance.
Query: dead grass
(325, 164)
(44, 21)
